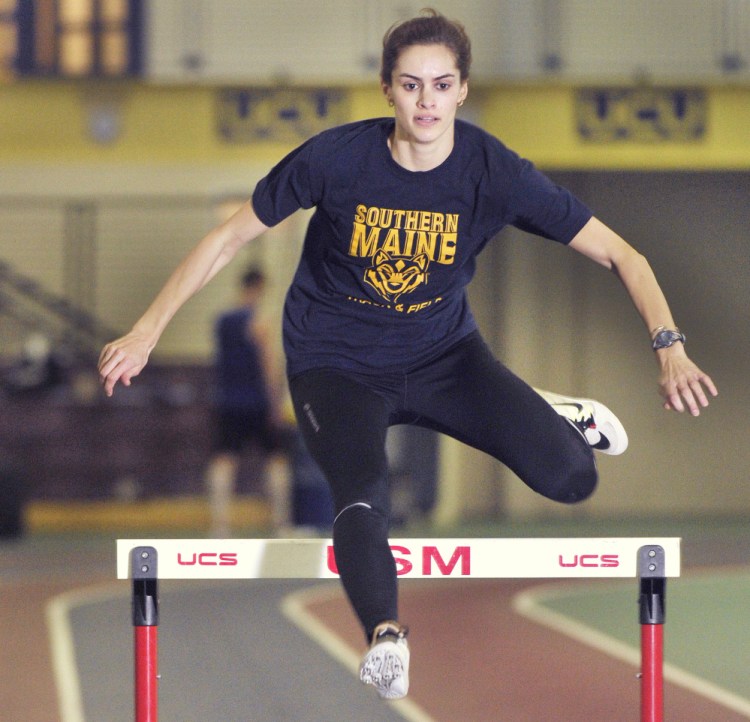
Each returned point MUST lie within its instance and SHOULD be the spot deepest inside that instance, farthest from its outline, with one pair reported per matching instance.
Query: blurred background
(128, 128)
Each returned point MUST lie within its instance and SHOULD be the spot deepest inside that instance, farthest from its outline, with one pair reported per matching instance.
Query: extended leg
(344, 424)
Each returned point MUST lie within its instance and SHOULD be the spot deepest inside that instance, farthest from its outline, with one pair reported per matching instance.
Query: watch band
(666, 337)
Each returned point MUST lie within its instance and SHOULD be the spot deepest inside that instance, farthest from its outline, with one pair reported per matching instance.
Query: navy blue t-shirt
(388, 253)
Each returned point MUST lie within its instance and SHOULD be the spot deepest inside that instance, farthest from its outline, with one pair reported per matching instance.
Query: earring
(391, 103)
(460, 103)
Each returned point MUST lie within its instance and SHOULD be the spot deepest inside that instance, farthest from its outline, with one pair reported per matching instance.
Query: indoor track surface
(286, 651)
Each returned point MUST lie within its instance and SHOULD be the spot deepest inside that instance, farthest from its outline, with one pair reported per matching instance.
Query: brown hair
(430, 28)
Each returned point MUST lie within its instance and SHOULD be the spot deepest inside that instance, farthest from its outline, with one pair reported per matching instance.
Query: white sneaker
(598, 425)
(386, 664)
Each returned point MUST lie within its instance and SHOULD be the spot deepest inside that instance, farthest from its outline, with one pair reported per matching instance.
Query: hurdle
(650, 560)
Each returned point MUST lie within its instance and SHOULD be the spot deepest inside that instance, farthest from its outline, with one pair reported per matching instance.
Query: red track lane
(475, 660)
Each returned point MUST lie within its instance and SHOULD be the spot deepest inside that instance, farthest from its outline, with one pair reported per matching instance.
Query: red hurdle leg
(651, 571)
(146, 674)
(145, 628)
(652, 670)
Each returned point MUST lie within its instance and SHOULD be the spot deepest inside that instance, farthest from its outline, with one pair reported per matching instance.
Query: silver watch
(666, 338)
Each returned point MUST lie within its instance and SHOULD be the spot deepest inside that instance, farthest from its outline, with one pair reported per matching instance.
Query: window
(71, 38)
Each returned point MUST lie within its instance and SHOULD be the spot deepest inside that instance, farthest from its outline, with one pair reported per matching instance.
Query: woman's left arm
(681, 382)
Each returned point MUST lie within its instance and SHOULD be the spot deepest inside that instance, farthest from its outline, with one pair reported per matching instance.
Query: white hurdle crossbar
(415, 558)
(651, 560)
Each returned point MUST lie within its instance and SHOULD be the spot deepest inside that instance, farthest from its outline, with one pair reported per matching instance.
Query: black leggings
(467, 394)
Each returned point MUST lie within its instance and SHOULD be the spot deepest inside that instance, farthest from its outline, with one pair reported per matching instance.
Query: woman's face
(426, 89)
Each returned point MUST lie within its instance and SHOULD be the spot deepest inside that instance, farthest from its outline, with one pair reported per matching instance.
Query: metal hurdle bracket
(652, 560)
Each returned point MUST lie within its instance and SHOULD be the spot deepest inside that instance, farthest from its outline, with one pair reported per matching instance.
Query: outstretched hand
(682, 384)
(122, 360)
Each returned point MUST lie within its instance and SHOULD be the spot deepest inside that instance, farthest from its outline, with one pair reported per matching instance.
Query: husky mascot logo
(393, 277)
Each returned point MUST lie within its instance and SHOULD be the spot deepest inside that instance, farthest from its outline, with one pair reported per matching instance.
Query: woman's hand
(122, 360)
(681, 383)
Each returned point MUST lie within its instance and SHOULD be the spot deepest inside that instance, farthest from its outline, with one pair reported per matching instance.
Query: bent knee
(575, 488)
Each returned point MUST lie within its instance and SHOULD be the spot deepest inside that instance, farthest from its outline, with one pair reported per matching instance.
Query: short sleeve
(541, 207)
(290, 185)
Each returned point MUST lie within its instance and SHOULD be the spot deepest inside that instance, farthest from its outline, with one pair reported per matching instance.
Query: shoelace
(581, 415)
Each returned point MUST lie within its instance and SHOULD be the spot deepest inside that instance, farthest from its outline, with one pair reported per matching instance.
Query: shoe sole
(386, 657)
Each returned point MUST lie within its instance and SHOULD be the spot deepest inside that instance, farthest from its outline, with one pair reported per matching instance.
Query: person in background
(246, 409)
(377, 326)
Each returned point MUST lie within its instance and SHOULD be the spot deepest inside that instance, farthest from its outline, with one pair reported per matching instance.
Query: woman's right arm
(123, 359)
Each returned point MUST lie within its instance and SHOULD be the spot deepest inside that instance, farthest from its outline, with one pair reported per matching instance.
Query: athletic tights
(465, 393)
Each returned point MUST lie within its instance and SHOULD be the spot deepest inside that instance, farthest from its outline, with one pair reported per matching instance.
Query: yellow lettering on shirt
(407, 233)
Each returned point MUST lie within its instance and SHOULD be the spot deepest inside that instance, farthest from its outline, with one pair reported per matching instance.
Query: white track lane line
(530, 604)
(294, 608)
(64, 668)
(62, 646)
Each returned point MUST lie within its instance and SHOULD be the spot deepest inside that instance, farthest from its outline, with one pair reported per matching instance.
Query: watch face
(664, 339)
